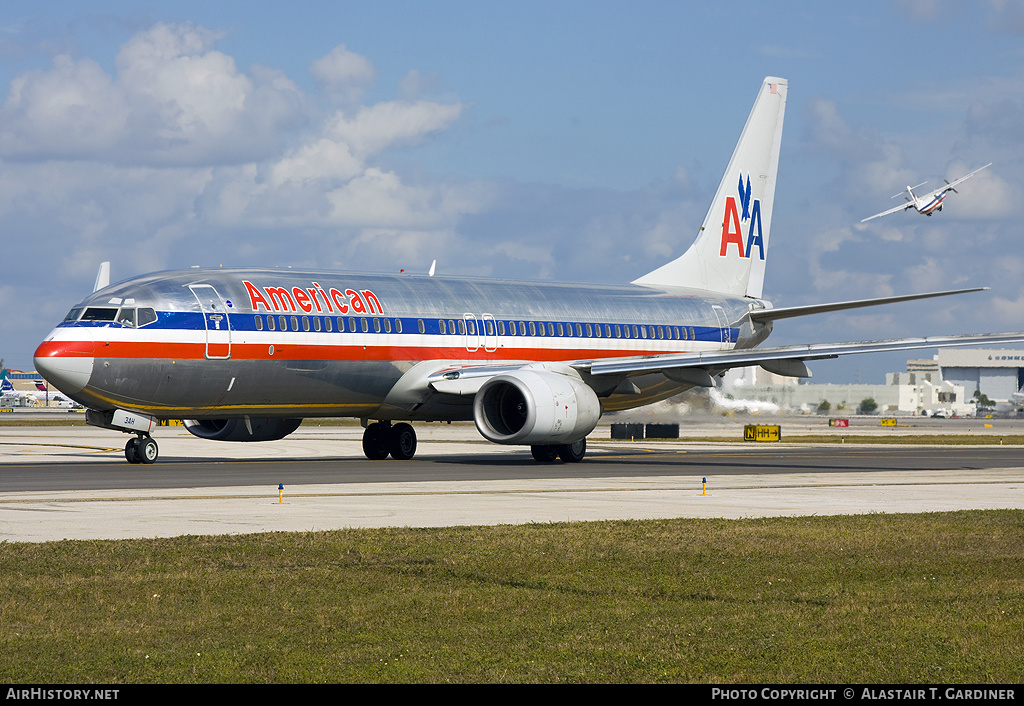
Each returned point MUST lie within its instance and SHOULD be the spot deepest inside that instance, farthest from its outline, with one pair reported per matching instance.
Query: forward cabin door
(215, 318)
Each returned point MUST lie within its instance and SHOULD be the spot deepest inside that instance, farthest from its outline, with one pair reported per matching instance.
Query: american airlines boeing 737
(246, 354)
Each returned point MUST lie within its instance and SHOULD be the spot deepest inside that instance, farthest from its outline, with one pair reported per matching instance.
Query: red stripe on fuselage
(137, 350)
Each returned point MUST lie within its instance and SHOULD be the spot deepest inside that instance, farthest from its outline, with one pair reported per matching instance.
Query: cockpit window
(74, 314)
(126, 317)
(98, 313)
(147, 315)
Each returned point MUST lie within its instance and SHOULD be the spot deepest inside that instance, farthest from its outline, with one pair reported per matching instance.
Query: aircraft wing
(783, 358)
(697, 368)
(964, 178)
(902, 207)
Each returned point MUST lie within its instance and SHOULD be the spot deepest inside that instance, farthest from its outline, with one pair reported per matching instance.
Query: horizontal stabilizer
(765, 315)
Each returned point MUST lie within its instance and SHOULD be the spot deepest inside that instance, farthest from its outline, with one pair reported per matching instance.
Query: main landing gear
(569, 453)
(381, 440)
(141, 449)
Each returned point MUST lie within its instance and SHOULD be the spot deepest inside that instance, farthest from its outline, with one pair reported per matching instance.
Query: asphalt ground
(73, 482)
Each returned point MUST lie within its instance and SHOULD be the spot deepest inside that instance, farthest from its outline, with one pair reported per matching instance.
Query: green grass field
(873, 598)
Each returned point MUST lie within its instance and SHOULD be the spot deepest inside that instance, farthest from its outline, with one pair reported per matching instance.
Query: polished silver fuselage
(281, 343)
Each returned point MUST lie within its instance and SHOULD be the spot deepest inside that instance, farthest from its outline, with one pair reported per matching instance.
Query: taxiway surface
(73, 482)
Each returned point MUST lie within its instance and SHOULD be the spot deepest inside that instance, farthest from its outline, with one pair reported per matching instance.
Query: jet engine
(535, 407)
(246, 429)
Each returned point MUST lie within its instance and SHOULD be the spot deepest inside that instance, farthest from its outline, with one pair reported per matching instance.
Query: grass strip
(935, 597)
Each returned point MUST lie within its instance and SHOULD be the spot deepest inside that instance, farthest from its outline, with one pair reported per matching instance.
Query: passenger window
(376, 325)
(561, 331)
(462, 327)
(693, 336)
(489, 327)
(351, 324)
(533, 329)
(522, 328)
(316, 323)
(398, 325)
(420, 326)
(364, 325)
(282, 322)
(305, 323)
(259, 323)
(618, 331)
(590, 331)
(440, 326)
(451, 326)
(501, 328)
(328, 325)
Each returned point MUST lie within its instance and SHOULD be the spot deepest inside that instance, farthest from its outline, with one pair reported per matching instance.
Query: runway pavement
(73, 483)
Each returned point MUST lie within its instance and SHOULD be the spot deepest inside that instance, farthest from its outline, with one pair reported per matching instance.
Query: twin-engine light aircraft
(929, 203)
(246, 354)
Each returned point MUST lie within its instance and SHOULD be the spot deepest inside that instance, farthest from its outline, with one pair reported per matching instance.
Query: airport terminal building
(948, 382)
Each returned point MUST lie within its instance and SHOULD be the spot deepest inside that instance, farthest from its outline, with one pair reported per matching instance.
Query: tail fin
(729, 253)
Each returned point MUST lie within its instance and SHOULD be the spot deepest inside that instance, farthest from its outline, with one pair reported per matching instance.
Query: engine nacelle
(257, 429)
(536, 408)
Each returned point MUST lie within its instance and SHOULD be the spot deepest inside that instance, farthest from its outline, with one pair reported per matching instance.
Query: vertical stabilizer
(102, 277)
(731, 248)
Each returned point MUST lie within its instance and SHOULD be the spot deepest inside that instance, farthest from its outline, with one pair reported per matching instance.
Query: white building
(911, 393)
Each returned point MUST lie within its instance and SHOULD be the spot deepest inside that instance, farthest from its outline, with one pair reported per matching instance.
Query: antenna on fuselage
(102, 277)
(432, 266)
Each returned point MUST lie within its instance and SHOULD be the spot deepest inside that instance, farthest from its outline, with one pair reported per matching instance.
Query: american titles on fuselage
(284, 300)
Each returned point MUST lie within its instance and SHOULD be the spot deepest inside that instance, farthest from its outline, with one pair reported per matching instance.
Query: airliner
(247, 354)
(929, 203)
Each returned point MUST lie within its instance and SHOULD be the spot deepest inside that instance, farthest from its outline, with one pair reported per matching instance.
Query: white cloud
(344, 73)
(173, 100)
(375, 128)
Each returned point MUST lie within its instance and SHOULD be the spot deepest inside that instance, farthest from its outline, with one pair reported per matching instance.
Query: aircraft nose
(64, 364)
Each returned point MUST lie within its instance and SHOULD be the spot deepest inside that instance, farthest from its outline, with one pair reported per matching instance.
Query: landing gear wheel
(131, 451)
(375, 441)
(544, 454)
(574, 452)
(402, 442)
(148, 450)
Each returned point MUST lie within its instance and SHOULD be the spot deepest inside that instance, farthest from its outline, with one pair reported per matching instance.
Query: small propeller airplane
(930, 202)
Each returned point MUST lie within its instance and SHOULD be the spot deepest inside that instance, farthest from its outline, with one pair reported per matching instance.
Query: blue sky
(576, 141)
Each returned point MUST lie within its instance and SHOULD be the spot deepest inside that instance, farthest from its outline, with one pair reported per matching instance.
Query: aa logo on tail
(732, 228)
